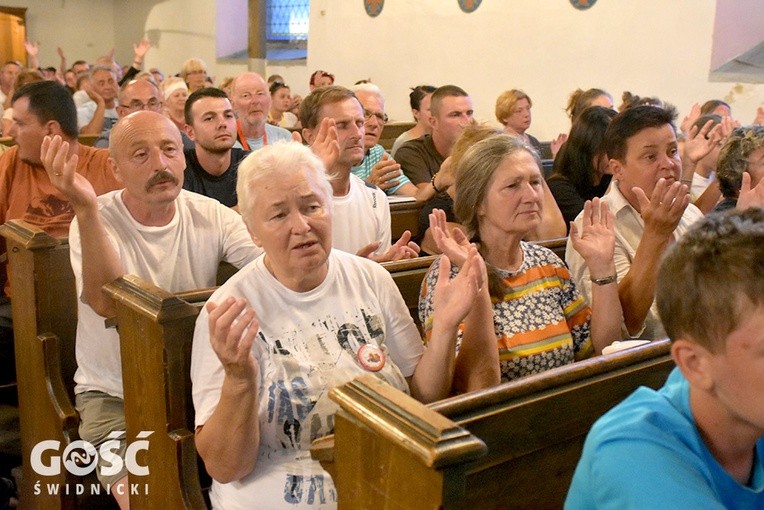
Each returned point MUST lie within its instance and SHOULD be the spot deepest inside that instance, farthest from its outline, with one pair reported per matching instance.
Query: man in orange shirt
(39, 109)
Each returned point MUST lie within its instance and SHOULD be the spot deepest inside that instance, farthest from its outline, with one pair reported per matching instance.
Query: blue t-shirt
(647, 453)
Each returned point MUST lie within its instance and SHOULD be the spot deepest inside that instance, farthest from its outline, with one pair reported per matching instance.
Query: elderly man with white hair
(378, 167)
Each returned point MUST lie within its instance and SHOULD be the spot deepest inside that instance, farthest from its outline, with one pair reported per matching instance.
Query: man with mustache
(251, 102)
(333, 125)
(136, 230)
(211, 166)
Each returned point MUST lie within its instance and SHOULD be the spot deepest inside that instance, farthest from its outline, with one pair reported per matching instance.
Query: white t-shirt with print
(307, 344)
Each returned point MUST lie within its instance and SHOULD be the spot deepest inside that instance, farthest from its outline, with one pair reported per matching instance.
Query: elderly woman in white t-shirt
(298, 321)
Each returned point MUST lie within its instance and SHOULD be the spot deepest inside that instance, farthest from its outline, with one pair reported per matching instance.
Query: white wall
(85, 30)
(178, 29)
(545, 47)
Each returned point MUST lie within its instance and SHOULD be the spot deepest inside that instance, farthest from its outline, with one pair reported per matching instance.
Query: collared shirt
(629, 228)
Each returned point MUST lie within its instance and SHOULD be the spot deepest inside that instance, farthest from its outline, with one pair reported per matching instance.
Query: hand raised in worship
(759, 119)
(453, 298)
(92, 94)
(452, 243)
(690, 119)
(750, 197)
(663, 210)
(233, 327)
(595, 241)
(141, 48)
(326, 144)
(32, 48)
(385, 173)
(702, 140)
(62, 172)
(556, 144)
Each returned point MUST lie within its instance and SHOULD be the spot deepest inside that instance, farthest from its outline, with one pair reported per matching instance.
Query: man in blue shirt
(698, 442)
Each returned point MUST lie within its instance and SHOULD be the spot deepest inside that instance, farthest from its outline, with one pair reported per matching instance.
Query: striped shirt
(542, 322)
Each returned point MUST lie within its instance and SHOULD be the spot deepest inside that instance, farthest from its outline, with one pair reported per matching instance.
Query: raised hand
(62, 172)
(701, 141)
(140, 48)
(453, 299)
(385, 173)
(557, 143)
(326, 145)
(596, 240)
(759, 119)
(750, 197)
(690, 119)
(454, 244)
(33, 48)
(92, 94)
(663, 210)
(233, 328)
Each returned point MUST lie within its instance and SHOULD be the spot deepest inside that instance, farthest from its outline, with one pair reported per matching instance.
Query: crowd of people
(294, 192)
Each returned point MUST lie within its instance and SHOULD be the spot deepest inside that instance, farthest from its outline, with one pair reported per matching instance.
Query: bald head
(138, 95)
(247, 80)
(128, 129)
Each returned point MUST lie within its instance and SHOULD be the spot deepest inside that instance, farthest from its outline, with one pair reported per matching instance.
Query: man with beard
(136, 230)
(211, 167)
(333, 125)
(251, 102)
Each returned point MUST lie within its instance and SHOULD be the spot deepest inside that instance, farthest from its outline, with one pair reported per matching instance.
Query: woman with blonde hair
(194, 73)
(513, 110)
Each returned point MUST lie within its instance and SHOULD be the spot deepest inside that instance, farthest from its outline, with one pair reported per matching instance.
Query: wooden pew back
(44, 304)
(404, 216)
(391, 131)
(513, 446)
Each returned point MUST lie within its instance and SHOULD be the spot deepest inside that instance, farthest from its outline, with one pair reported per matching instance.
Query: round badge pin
(371, 357)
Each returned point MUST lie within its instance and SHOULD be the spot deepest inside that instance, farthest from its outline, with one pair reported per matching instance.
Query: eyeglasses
(152, 104)
(381, 117)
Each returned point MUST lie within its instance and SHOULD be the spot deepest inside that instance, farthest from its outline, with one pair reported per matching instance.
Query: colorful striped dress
(543, 320)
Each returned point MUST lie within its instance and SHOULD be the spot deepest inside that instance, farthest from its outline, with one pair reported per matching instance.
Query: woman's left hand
(453, 299)
(596, 241)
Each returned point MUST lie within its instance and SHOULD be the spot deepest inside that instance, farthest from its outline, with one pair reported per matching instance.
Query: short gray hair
(280, 159)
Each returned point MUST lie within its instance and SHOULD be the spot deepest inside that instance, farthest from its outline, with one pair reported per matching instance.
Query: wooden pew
(44, 304)
(404, 216)
(513, 446)
(156, 330)
(391, 131)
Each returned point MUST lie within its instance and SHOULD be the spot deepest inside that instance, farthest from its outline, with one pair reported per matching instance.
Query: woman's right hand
(454, 298)
(233, 327)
